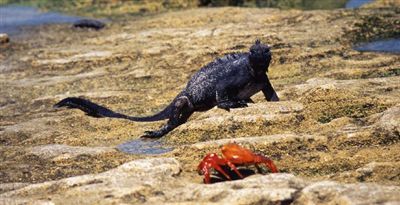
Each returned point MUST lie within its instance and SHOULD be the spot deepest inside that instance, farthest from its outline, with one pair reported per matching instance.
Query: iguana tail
(95, 110)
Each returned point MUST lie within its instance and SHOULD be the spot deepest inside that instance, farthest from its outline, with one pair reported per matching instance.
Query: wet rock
(386, 171)
(58, 151)
(27, 130)
(263, 189)
(382, 4)
(92, 55)
(328, 192)
(337, 126)
(157, 180)
(4, 38)
(386, 126)
(11, 186)
(125, 184)
(389, 121)
(352, 85)
(89, 23)
(262, 117)
(261, 141)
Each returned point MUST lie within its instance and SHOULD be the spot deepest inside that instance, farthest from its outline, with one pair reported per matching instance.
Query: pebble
(4, 38)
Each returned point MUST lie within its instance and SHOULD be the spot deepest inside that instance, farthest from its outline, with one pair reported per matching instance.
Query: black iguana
(228, 82)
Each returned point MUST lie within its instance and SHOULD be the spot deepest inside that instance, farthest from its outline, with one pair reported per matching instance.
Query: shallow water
(388, 45)
(303, 5)
(351, 4)
(143, 146)
(13, 17)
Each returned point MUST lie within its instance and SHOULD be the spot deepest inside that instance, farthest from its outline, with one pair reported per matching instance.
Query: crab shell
(233, 155)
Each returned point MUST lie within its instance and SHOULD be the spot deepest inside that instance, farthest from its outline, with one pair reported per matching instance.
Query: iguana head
(260, 56)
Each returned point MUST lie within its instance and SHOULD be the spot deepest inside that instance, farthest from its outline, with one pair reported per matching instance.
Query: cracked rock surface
(125, 184)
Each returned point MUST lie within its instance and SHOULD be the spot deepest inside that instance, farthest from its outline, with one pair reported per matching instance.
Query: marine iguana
(227, 82)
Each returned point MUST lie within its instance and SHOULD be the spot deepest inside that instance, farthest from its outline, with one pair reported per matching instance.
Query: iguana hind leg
(183, 109)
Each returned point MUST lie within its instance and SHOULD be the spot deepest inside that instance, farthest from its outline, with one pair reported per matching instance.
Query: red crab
(233, 154)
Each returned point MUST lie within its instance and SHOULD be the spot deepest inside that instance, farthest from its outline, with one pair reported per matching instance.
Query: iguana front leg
(249, 100)
(226, 93)
(269, 92)
(227, 105)
(224, 101)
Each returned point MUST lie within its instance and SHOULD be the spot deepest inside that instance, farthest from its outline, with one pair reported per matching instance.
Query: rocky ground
(334, 135)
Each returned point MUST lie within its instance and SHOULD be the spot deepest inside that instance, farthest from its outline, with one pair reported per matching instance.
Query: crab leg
(220, 170)
(206, 172)
(212, 161)
(233, 167)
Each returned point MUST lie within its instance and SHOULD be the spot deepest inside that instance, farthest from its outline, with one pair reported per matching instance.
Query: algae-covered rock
(334, 135)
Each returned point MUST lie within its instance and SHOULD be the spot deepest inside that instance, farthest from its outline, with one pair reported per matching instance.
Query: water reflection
(13, 17)
(143, 146)
(304, 5)
(290, 4)
(351, 4)
(388, 45)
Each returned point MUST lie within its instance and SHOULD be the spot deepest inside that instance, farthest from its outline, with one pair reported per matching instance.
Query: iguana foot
(152, 134)
(230, 104)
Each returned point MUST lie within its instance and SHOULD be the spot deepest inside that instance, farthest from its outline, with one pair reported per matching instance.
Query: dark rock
(89, 23)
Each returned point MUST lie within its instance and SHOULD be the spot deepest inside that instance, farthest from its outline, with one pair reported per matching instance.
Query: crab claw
(211, 161)
(268, 162)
